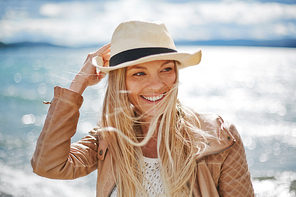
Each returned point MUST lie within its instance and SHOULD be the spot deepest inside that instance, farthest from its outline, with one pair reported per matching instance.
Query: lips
(153, 98)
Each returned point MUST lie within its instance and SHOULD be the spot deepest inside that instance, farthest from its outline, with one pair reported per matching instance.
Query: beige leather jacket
(222, 169)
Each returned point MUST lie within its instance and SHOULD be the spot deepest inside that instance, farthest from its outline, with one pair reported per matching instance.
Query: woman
(146, 143)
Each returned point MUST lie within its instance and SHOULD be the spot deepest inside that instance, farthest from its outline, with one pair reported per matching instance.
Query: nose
(155, 83)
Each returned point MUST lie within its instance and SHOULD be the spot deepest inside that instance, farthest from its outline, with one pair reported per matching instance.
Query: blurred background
(247, 75)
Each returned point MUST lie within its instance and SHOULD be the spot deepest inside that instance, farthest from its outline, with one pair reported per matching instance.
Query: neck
(145, 128)
(149, 149)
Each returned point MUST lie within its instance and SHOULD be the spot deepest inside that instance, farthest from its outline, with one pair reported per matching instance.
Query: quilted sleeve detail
(235, 179)
(83, 156)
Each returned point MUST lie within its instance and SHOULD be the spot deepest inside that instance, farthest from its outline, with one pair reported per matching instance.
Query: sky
(83, 23)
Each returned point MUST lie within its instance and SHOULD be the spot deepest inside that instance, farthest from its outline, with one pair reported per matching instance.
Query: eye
(167, 69)
(139, 74)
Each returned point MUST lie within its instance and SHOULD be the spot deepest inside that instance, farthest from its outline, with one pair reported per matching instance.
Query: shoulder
(219, 135)
(210, 125)
(214, 124)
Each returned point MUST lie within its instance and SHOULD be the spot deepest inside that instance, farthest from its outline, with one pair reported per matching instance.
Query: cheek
(171, 80)
(134, 99)
(132, 88)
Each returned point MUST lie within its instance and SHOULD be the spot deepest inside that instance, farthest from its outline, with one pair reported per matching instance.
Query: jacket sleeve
(55, 157)
(235, 179)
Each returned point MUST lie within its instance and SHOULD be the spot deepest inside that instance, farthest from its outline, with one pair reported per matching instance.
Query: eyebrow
(136, 67)
(142, 67)
(167, 62)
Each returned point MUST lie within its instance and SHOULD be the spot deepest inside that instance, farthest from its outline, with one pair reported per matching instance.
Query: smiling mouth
(153, 98)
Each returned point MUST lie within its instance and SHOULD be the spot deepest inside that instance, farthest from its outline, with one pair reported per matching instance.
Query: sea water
(252, 87)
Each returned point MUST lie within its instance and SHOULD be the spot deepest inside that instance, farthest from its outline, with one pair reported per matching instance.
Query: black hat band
(134, 54)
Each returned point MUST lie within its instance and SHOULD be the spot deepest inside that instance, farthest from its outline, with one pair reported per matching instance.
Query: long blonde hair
(176, 127)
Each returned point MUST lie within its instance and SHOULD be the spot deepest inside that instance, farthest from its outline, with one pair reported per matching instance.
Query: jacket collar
(220, 136)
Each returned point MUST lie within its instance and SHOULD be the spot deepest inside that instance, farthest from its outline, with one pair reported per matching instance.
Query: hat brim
(185, 60)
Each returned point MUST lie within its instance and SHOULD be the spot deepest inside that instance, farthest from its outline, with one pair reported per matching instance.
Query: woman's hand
(88, 75)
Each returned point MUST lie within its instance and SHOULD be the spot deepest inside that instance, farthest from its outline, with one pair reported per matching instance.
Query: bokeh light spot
(263, 158)
(28, 119)
(17, 77)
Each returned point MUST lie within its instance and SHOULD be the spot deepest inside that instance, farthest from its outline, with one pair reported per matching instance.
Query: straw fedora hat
(136, 42)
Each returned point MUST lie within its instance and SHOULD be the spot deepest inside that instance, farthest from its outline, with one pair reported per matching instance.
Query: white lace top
(152, 181)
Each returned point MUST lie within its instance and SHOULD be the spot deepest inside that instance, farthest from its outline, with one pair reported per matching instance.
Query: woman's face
(149, 82)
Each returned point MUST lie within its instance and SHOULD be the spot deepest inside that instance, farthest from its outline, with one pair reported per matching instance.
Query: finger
(107, 51)
(103, 49)
(106, 64)
(101, 75)
(106, 57)
(87, 58)
(106, 60)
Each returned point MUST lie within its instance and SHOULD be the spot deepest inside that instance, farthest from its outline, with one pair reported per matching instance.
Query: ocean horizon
(286, 43)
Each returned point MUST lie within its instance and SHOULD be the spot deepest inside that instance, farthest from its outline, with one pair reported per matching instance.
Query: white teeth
(155, 98)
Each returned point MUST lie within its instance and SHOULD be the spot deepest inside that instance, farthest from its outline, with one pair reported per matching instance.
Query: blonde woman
(146, 143)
